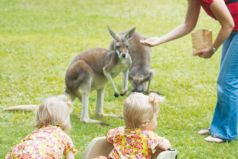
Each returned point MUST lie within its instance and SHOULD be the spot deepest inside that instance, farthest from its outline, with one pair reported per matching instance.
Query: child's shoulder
(150, 134)
(49, 130)
(120, 129)
(112, 133)
(46, 132)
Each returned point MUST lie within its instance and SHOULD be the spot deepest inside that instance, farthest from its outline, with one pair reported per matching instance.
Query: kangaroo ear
(114, 36)
(130, 33)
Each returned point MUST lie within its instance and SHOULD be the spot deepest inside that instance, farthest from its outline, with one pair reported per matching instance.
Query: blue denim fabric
(225, 119)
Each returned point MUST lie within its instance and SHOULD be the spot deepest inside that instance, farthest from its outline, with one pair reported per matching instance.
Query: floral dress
(49, 142)
(132, 143)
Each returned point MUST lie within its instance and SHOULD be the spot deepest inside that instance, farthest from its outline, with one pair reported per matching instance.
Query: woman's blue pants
(225, 118)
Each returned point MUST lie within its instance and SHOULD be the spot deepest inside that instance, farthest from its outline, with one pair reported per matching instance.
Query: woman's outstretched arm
(186, 27)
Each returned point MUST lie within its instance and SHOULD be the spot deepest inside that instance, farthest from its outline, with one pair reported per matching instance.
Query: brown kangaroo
(92, 69)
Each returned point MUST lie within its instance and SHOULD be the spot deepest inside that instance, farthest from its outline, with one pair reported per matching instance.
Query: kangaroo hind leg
(100, 105)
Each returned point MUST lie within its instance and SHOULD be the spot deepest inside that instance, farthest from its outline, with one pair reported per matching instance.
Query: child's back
(133, 143)
(44, 142)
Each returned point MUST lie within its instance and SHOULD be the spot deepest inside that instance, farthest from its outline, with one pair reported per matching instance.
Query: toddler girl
(137, 139)
(49, 140)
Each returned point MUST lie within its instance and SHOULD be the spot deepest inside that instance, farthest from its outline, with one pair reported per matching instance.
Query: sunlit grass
(38, 39)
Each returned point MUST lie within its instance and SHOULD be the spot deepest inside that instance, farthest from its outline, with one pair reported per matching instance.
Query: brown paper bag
(201, 39)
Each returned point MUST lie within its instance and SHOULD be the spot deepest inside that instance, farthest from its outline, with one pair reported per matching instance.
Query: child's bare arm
(70, 155)
(101, 157)
(164, 145)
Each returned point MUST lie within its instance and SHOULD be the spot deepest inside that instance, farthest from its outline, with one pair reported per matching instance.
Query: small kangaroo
(92, 69)
(140, 73)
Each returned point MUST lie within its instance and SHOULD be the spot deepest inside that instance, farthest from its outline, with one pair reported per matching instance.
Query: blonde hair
(140, 108)
(54, 111)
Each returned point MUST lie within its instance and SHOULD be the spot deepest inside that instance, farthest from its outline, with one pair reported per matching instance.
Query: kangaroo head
(120, 43)
(140, 79)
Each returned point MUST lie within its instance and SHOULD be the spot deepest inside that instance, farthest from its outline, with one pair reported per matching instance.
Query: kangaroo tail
(21, 108)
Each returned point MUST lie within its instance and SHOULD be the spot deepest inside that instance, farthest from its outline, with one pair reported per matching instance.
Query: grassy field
(38, 39)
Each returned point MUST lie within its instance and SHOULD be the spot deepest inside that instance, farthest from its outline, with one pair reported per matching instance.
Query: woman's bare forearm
(183, 29)
(176, 33)
(222, 14)
(222, 36)
(189, 24)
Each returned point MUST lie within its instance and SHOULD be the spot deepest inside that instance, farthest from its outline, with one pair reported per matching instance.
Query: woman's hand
(153, 41)
(206, 53)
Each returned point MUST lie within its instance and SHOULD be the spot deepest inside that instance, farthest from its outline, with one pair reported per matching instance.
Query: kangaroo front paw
(123, 93)
(116, 94)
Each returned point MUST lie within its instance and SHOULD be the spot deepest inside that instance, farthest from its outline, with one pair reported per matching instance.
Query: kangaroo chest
(119, 68)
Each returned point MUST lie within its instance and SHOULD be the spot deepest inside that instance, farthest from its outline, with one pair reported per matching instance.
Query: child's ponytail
(155, 100)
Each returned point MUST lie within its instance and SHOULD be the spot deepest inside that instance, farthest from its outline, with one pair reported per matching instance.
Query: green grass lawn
(38, 39)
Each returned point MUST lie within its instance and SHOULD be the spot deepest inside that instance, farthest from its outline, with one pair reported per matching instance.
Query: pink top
(233, 8)
(45, 143)
(132, 143)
